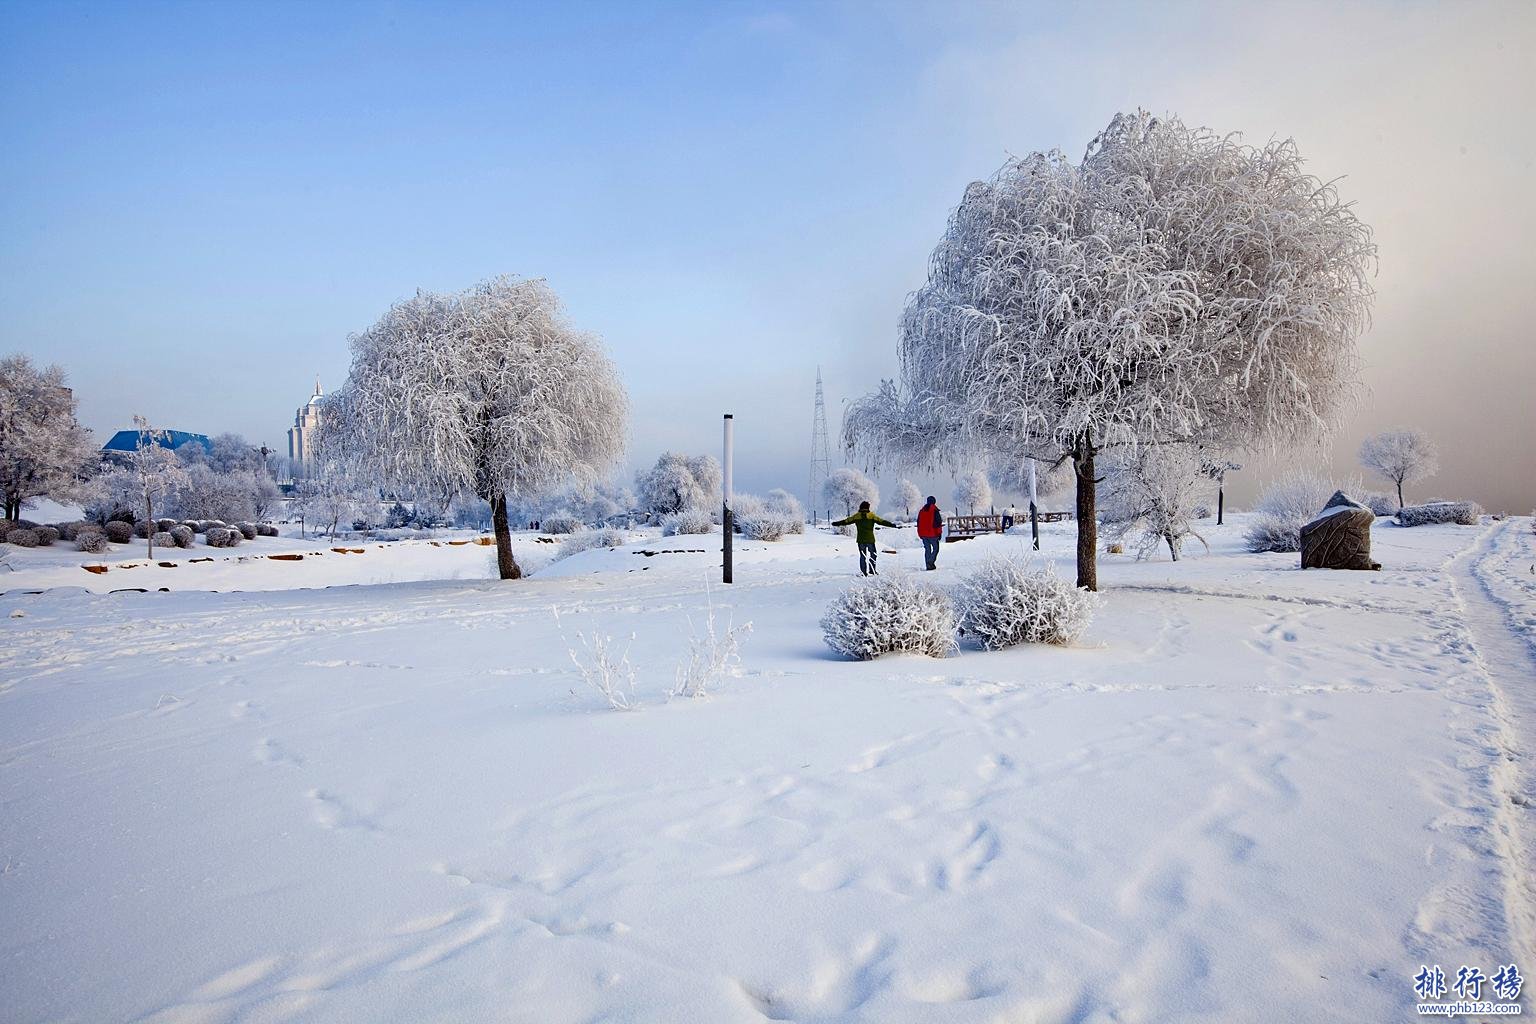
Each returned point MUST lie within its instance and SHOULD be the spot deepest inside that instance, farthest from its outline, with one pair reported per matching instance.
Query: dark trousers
(931, 551)
(866, 558)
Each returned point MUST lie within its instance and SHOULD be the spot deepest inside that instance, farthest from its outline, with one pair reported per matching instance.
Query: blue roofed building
(125, 442)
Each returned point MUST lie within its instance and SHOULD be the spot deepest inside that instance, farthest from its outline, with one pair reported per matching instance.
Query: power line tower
(821, 455)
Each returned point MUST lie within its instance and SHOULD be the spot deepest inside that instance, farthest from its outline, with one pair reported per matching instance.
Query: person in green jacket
(864, 522)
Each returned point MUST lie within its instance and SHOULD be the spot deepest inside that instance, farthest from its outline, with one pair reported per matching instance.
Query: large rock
(1339, 538)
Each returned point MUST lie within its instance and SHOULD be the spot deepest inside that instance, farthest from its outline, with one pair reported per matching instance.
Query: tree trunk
(1399, 494)
(1172, 547)
(505, 563)
(1087, 515)
(149, 529)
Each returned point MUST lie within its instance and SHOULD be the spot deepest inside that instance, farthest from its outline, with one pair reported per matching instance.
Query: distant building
(306, 427)
(126, 442)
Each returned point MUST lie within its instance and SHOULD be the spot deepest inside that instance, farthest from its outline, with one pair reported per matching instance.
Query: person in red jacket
(930, 527)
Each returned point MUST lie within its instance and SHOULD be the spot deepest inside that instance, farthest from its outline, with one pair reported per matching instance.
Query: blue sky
(200, 202)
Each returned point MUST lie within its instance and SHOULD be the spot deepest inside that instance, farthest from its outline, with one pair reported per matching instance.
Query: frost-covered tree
(1154, 490)
(678, 483)
(972, 489)
(908, 495)
(1402, 456)
(156, 472)
(848, 487)
(44, 451)
(488, 391)
(1176, 285)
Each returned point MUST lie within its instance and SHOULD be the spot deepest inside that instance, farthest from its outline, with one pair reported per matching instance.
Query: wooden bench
(966, 527)
(1051, 517)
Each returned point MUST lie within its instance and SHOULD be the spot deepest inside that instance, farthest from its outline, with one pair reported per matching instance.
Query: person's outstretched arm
(882, 522)
(843, 522)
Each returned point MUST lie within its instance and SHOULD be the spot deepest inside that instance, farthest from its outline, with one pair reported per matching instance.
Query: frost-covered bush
(561, 523)
(164, 525)
(216, 536)
(1298, 495)
(181, 536)
(164, 539)
(1006, 602)
(208, 524)
(788, 506)
(69, 531)
(688, 521)
(888, 615)
(1464, 513)
(1289, 503)
(266, 530)
(22, 537)
(119, 532)
(235, 537)
(712, 656)
(142, 529)
(586, 540)
(1379, 503)
(247, 530)
(46, 535)
(760, 519)
(92, 541)
(1267, 532)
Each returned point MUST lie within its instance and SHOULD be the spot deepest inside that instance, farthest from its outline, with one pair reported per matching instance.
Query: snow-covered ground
(1253, 793)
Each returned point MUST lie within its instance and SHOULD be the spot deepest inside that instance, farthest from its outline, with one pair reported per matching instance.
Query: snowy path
(1255, 793)
(1497, 604)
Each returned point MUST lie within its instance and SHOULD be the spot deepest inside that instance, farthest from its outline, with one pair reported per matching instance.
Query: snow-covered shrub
(194, 525)
(788, 506)
(164, 539)
(1268, 532)
(605, 668)
(26, 524)
(216, 536)
(69, 531)
(119, 532)
(561, 523)
(1006, 602)
(1289, 503)
(92, 541)
(46, 535)
(688, 521)
(711, 657)
(207, 524)
(22, 538)
(1379, 503)
(164, 525)
(759, 519)
(586, 540)
(247, 530)
(266, 530)
(1464, 513)
(142, 529)
(181, 536)
(887, 615)
(1298, 495)
(235, 537)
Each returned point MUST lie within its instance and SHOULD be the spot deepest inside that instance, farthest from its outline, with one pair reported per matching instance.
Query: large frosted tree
(43, 448)
(1174, 286)
(489, 391)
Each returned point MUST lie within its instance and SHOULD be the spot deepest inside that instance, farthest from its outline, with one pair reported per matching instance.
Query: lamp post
(727, 523)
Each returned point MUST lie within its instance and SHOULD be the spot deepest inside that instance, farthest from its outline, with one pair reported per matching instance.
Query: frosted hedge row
(1003, 603)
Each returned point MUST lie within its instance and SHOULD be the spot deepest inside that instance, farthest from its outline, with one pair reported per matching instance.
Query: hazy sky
(198, 203)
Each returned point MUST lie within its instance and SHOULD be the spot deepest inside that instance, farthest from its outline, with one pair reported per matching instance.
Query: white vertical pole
(727, 524)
